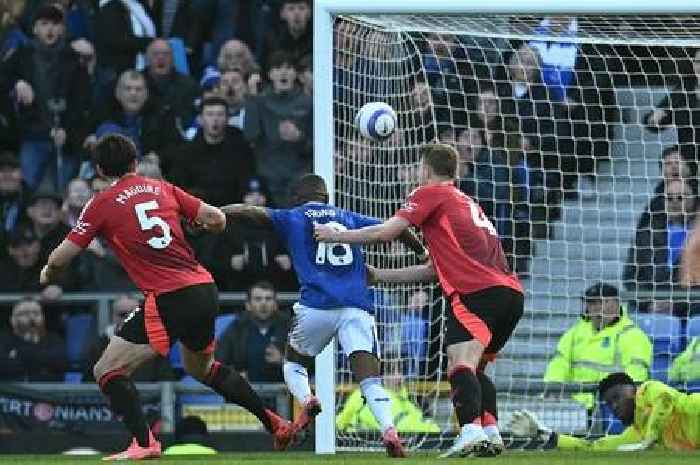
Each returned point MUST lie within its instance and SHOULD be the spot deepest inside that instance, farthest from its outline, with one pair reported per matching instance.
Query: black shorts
(489, 316)
(187, 315)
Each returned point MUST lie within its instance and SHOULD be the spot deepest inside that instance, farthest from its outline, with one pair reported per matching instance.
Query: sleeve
(658, 398)
(607, 443)
(636, 354)
(559, 367)
(88, 225)
(419, 206)
(280, 220)
(189, 204)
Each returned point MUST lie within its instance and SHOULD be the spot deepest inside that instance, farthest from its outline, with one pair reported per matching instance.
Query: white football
(376, 120)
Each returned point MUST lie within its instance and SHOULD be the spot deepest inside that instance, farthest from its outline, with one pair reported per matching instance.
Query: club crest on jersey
(81, 227)
(409, 206)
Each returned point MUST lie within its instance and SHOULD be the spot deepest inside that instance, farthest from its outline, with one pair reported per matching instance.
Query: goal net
(571, 131)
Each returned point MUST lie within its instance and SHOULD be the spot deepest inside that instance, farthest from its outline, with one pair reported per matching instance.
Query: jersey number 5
(329, 251)
(149, 222)
(480, 219)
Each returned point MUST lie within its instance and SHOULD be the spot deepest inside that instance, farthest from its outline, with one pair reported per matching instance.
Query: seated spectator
(30, 352)
(77, 195)
(255, 251)
(294, 35)
(605, 339)
(191, 438)
(254, 343)
(166, 86)
(154, 370)
(12, 197)
(654, 259)
(123, 30)
(136, 116)
(45, 219)
(355, 415)
(686, 367)
(216, 163)
(51, 89)
(279, 124)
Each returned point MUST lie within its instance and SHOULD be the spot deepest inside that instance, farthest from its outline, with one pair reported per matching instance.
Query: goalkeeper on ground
(654, 414)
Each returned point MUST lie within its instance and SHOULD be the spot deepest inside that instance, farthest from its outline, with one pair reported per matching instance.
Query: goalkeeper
(654, 414)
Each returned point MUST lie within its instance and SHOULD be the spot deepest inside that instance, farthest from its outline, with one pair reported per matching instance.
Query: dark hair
(49, 12)
(264, 285)
(305, 63)
(214, 101)
(669, 150)
(278, 59)
(441, 158)
(307, 188)
(114, 154)
(613, 380)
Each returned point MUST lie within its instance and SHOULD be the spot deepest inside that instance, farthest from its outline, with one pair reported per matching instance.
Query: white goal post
(324, 15)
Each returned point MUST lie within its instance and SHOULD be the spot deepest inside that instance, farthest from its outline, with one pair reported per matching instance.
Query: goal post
(359, 175)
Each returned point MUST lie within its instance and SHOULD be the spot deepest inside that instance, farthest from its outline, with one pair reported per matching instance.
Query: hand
(254, 83)
(25, 93)
(90, 142)
(273, 355)
(59, 136)
(635, 447)
(526, 423)
(238, 262)
(284, 262)
(424, 257)
(324, 233)
(51, 293)
(371, 274)
(97, 248)
(656, 116)
(44, 277)
(289, 131)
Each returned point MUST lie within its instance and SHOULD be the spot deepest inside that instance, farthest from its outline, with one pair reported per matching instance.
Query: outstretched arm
(385, 232)
(410, 240)
(258, 215)
(59, 260)
(409, 274)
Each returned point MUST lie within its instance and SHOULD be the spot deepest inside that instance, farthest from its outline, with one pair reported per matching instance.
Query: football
(376, 120)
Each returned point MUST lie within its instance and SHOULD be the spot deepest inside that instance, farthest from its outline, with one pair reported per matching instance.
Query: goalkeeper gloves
(526, 423)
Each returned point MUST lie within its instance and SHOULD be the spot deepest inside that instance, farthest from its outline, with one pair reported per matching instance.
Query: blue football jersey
(330, 275)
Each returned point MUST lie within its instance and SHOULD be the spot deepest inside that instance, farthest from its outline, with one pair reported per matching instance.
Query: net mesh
(560, 124)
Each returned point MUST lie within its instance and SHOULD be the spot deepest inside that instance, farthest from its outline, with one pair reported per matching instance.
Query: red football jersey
(139, 218)
(463, 243)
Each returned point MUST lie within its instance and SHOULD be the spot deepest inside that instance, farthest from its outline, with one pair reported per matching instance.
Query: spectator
(11, 34)
(558, 57)
(675, 167)
(217, 162)
(235, 55)
(254, 343)
(686, 367)
(235, 91)
(155, 370)
(604, 340)
(133, 114)
(191, 438)
(166, 86)
(279, 124)
(30, 352)
(294, 36)
(123, 30)
(44, 213)
(77, 195)
(654, 260)
(681, 109)
(50, 87)
(11, 197)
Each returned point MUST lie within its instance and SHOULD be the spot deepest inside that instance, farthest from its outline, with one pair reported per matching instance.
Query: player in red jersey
(486, 297)
(140, 218)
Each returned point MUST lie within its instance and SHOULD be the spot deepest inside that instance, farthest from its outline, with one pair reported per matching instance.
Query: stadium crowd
(217, 98)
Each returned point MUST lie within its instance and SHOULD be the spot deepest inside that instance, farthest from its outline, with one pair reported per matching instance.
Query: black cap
(49, 12)
(600, 290)
(46, 195)
(22, 234)
(8, 160)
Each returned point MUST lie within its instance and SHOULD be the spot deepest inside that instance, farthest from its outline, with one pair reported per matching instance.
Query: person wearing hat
(44, 214)
(20, 271)
(50, 87)
(605, 340)
(11, 196)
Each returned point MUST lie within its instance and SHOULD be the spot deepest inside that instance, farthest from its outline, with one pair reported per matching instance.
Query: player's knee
(292, 355)
(364, 365)
(196, 368)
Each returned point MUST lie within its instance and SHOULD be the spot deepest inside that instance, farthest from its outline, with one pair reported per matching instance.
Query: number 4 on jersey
(480, 220)
(328, 251)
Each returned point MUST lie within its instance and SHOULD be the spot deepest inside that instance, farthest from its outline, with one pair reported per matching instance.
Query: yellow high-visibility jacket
(661, 414)
(686, 367)
(585, 355)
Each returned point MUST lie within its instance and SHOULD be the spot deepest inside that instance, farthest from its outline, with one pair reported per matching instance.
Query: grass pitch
(304, 458)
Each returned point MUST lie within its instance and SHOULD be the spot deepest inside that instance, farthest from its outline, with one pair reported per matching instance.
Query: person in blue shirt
(334, 298)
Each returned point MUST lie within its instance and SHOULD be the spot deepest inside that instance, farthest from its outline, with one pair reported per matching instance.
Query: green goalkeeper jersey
(662, 414)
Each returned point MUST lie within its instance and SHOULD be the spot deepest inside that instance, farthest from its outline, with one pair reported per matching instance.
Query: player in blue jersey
(334, 300)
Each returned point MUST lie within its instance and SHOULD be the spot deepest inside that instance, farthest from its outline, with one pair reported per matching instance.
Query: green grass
(303, 458)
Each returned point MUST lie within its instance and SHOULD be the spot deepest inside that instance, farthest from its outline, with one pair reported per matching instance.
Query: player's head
(309, 188)
(438, 163)
(115, 156)
(618, 391)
